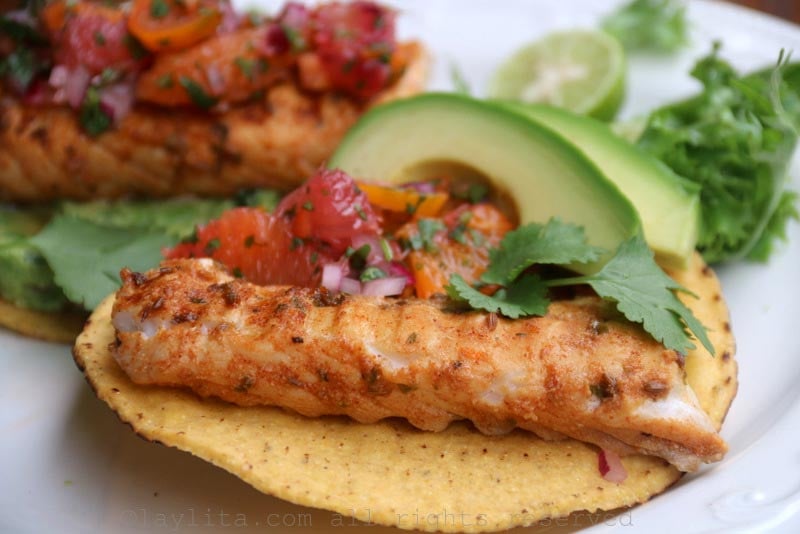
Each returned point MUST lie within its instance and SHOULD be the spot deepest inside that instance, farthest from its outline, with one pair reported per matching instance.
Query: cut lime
(582, 71)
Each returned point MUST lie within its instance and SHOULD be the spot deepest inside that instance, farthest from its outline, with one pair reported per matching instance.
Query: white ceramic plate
(68, 465)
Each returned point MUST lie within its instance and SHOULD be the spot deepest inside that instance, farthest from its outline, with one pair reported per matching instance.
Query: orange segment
(163, 25)
(404, 200)
(462, 247)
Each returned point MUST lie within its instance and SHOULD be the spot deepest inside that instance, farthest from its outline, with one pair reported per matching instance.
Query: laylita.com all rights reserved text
(209, 518)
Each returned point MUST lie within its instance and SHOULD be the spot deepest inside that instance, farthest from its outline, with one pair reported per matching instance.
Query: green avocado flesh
(542, 172)
(668, 205)
(26, 280)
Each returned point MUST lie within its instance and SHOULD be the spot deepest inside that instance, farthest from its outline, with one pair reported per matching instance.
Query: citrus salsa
(357, 238)
(101, 60)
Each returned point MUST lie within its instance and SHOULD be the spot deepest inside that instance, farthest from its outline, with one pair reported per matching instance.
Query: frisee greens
(649, 25)
(643, 293)
(735, 140)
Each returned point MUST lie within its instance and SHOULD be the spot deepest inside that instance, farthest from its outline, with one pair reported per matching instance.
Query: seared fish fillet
(44, 154)
(578, 372)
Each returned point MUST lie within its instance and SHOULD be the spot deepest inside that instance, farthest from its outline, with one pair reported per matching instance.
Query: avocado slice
(668, 205)
(543, 173)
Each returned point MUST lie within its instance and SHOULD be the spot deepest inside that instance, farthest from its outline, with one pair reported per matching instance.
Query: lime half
(582, 71)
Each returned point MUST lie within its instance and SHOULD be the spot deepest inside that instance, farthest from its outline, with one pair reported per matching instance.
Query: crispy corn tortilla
(60, 327)
(393, 472)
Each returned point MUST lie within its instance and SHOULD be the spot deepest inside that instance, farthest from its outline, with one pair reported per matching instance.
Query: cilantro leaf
(86, 257)
(556, 243)
(646, 295)
(657, 25)
(526, 296)
(632, 279)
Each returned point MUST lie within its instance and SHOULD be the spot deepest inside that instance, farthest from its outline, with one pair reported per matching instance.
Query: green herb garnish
(631, 279)
(735, 140)
(93, 119)
(197, 93)
(428, 228)
(358, 257)
(372, 273)
(247, 66)
(22, 66)
(136, 49)
(388, 255)
(296, 39)
(657, 25)
(165, 81)
(212, 246)
(159, 9)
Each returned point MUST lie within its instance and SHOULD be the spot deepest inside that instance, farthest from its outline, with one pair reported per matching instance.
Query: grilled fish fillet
(578, 372)
(44, 154)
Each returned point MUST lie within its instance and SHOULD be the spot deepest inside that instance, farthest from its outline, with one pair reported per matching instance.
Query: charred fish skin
(577, 372)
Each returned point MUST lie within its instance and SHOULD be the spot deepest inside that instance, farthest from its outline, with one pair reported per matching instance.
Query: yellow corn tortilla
(61, 327)
(392, 474)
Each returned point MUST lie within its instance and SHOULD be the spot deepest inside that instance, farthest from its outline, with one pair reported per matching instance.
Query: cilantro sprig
(735, 140)
(643, 293)
(554, 243)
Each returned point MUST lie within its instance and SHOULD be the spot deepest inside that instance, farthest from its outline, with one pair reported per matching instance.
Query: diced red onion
(231, 20)
(275, 40)
(611, 466)
(59, 76)
(397, 269)
(21, 16)
(425, 188)
(384, 287)
(39, 93)
(117, 100)
(76, 84)
(348, 285)
(332, 274)
(295, 15)
(215, 80)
